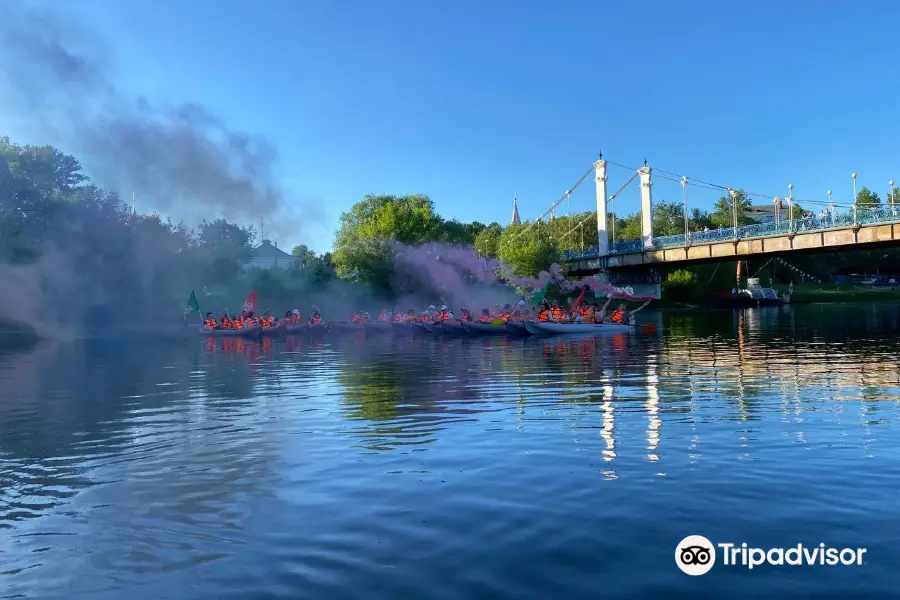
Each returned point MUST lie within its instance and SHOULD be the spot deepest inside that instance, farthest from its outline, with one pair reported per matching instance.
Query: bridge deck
(838, 232)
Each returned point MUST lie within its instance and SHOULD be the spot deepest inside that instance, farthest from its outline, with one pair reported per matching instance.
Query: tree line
(79, 251)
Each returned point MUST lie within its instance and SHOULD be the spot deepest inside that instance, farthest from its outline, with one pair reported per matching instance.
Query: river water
(458, 469)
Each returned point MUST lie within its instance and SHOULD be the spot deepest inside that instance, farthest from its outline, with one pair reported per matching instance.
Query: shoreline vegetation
(62, 237)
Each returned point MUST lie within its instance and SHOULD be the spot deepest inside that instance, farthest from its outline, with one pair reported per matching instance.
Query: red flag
(250, 304)
(579, 301)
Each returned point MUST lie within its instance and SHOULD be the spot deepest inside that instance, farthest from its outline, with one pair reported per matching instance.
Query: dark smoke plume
(183, 160)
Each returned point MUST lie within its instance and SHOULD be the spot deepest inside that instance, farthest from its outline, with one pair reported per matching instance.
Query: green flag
(192, 305)
(537, 296)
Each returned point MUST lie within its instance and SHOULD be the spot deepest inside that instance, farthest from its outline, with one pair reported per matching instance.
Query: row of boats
(459, 328)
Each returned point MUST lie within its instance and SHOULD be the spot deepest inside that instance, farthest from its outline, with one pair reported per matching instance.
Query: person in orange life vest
(557, 313)
(411, 316)
(520, 313)
(288, 318)
(445, 314)
(622, 315)
(268, 320)
(356, 318)
(485, 316)
(543, 315)
(238, 322)
(251, 320)
(466, 317)
(209, 321)
(227, 323)
(315, 318)
(396, 316)
(296, 318)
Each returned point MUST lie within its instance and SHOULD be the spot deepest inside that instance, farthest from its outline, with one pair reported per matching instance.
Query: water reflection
(130, 463)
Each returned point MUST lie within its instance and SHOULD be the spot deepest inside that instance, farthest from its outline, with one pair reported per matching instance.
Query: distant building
(269, 256)
(515, 218)
(765, 213)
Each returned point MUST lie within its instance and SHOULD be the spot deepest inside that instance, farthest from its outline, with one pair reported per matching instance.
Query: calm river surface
(460, 469)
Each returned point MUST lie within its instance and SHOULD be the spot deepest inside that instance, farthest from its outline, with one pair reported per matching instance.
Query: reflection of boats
(251, 332)
(548, 328)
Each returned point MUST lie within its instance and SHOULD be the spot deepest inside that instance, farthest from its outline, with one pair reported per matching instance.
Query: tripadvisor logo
(696, 555)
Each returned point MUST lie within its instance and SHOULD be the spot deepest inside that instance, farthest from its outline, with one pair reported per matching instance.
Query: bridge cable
(555, 204)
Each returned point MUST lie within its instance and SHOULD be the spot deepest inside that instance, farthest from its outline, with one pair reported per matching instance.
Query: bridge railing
(867, 216)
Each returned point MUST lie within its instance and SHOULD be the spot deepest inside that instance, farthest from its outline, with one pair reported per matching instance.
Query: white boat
(550, 328)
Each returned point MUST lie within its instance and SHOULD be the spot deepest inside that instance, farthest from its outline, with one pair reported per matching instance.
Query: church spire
(515, 215)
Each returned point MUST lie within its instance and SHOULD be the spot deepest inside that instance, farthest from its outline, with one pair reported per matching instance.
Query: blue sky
(473, 102)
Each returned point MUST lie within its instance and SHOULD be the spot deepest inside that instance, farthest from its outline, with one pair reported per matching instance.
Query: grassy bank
(14, 336)
(832, 292)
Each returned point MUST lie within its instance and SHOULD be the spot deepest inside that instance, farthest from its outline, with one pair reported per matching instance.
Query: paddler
(544, 315)
(466, 316)
(268, 320)
(623, 315)
(366, 317)
(557, 313)
(384, 316)
(209, 321)
(411, 316)
(227, 323)
(396, 316)
(485, 316)
(296, 317)
(520, 313)
(238, 322)
(315, 318)
(445, 314)
(356, 318)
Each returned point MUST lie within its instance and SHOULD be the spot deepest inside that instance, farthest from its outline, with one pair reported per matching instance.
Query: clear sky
(472, 102)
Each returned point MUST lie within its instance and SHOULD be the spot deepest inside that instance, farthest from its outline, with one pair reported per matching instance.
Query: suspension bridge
(836, 227)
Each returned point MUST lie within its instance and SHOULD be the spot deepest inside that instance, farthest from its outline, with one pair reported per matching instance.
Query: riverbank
(15, 336)
(832, 292)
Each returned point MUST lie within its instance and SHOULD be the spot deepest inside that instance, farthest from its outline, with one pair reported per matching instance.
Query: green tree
(528, 251)
(724, 214)
(487, 242)
(668, 218)
(866, 198)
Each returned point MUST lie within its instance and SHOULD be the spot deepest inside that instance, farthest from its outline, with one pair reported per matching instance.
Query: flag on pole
(580, 299)
(192, 305)
(537, 296)
(250, 304)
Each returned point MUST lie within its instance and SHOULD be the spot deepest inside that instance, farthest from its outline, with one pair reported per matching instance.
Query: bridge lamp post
(734, 210)
(790, 200)
(853, 175)
(891, 183)
(684, 204)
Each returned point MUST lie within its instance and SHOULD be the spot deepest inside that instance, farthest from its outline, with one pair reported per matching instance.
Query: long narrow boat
(404, 328)
(345, 327)
(485, 329)
(451, 328)
(273, 331)
(424, 327)
(379, 327)
(298, 329)
(548, 328)
(317, 329)
(517, 328)
(251, 332)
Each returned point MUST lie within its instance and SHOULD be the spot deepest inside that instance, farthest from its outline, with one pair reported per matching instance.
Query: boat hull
(546, 328)
(379, 328)
(517, 328)
(301, 329)
(344, 327)
(250, 332)
(451, 328)
(484, 329)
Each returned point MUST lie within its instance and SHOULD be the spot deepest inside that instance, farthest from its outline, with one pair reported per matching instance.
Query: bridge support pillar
(646, 208)
(602, 233)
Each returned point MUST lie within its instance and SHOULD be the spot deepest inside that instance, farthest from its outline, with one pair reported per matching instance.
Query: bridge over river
(839, 227)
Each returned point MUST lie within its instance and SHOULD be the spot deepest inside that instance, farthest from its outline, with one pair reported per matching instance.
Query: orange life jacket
(558, 314)
(617, 316)
(296, 319)
(444, 315)
(484, 319)
(395, 318)
(238, 323)
(466, 317)
(382, 316)
(268, 322)
(315, 320)
(411, 318)
(356, 318)
(543, 315)
(587, 315)
(227, 323)
(209, 323)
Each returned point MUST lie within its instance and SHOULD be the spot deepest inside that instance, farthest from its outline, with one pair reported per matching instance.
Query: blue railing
(885, 214)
